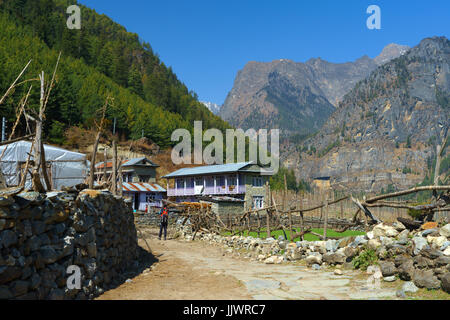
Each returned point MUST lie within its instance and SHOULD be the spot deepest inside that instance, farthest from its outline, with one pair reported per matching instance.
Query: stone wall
(153, 218)
(41, 235)
(421, 258)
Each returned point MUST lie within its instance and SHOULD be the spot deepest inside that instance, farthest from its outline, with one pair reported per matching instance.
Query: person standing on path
(164, 221)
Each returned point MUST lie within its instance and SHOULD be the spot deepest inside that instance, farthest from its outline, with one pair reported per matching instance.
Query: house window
(150, 198)
(199, 181)
(144, 178)
(221, 181)
(210, 182)
(258, 202)
(232, 181)
(258, 181)
(180, 184)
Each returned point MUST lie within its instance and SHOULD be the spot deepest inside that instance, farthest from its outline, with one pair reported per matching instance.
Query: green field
(308, 237)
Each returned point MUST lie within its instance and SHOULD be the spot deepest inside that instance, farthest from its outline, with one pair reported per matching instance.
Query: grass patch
(308, 237)
(425, 294)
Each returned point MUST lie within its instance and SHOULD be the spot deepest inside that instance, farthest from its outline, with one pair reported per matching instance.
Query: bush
(365, 259)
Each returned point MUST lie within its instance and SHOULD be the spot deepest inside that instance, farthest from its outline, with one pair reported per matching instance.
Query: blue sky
(208, 41)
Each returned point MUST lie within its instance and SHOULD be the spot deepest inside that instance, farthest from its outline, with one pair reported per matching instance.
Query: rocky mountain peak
(391, 51)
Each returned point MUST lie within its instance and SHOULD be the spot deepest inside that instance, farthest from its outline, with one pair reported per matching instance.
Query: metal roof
(215, 169)
(142, 187)
(126, 163)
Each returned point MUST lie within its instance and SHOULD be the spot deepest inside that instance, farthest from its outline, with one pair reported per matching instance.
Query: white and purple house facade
(245, 181)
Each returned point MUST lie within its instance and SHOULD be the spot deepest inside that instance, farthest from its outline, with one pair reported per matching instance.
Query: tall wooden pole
(114, 169)
(120, 180)
(325, 225)
(105, 166)
(92, 166)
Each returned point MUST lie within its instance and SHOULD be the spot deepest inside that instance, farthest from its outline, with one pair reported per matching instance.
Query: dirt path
(198, 271)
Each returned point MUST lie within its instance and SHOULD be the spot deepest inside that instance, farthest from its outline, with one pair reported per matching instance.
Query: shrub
(366, 258)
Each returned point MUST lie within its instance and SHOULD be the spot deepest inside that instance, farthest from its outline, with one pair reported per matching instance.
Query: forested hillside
(100, 59)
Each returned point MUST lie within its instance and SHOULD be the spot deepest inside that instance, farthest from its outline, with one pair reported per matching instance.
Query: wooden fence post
(325, 224)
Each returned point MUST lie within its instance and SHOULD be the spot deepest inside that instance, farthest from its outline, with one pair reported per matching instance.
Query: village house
(243, 181)
(139, 182)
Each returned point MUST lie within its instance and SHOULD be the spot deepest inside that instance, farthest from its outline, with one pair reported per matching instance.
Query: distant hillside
(385, 130)
(295, 97)
(99, 59)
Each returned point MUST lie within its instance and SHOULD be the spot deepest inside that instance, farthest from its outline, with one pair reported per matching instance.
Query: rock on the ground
(445, 231)
(390, 279)
(382, 230)
(426, 279)
(315, 266)
(387, 268)
(445, 282)
(374, 244)
(314, 259)
(410, 287)
(419, 244)
(338, 272)
(406, 270)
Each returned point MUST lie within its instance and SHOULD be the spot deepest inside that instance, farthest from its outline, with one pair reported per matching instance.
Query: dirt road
(198, 271)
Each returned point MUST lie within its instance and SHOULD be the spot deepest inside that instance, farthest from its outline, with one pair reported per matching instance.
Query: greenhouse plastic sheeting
(67, 168)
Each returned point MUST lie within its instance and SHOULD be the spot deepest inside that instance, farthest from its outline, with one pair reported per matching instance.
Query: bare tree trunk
(36, 177)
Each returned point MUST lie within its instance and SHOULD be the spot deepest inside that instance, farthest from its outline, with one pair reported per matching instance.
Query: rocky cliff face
(295, 97)
(387, 126)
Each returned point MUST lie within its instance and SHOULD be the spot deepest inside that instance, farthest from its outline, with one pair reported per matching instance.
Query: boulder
(426, 279)
(350, 252)
(431, 253)
(446, 252)
(315, 266)
(445, 282)
(445, 231)
(387, 268)
(430, 232)
(338, 272)
(406, 270)
(436, 242)
(422, 262)
(382, 230)
(373, 244)
(331, 245)
(7, 238)
(442, 261)
(390, 279)
(403, 235)
(410, 287)
(333, 258)
(9, 273)
(419, 244)
(399, 226)
(314, 259)
(373, 269)
(345, 242)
